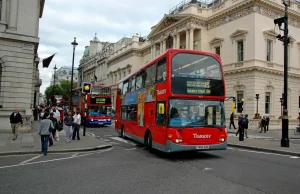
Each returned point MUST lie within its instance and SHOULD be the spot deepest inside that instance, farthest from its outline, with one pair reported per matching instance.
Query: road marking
(92, 134)
(230, 148)
(294, 157)
(107, 135)
(30, 159)
(130, 149)
(53, 160)
(207, 169)
(75, 154)
(259, 152)
(122, 140)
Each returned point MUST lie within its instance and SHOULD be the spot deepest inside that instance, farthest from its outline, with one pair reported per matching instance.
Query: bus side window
(160, 113)
(161, 71)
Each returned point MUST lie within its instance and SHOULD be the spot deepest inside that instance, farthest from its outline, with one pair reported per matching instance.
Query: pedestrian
(245, 123)
(263, 124)
(239, 123)
(41, 115)
(267, 123)
(68, 121)
(15, 120)
(55, 124)
(77, 122)
(46, 128)
(232, 121)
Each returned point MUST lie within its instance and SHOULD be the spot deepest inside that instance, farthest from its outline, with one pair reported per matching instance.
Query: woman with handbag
(46, 128)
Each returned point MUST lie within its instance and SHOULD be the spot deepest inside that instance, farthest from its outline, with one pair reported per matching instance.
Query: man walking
(15, 120)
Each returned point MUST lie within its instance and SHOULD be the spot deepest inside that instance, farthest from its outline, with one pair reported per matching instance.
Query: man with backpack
(245, 123)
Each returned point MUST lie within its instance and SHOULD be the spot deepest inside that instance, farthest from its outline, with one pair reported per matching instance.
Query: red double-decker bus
(174, 103)
(97, 104)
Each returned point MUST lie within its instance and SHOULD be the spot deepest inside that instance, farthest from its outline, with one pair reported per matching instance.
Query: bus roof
(168, 50)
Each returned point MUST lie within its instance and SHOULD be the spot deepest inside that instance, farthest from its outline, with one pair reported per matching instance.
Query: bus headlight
(222, 139)
(92, 119)
(178, 140)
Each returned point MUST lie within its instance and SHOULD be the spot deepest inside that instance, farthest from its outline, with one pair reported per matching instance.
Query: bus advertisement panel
(174, 103)
(96, 106)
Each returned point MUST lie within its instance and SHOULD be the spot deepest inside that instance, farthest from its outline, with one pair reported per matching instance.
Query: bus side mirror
(161, 108)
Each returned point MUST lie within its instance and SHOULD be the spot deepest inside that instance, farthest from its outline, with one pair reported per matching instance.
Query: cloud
(111, 19)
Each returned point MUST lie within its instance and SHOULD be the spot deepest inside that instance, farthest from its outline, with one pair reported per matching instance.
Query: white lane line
(230, 148)
(122, 140)
(30, 159)
(107, 135)
(92, 134)
(75, 154)
(130, 149)
(53, 160)
(294, 157)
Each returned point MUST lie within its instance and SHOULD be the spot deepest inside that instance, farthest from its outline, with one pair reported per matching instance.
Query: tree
(60, 89)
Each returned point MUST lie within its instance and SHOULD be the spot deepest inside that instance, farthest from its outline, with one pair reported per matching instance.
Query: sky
(63, 20)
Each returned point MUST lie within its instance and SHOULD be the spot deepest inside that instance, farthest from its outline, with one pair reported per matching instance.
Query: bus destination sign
(198, 87)
(100, 100)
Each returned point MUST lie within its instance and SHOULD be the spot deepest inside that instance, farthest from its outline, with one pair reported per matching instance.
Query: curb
(100, 147)
(265, 150)
(267, 138)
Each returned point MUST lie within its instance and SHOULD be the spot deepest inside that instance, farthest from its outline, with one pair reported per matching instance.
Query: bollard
(84, 126)
(241, 134)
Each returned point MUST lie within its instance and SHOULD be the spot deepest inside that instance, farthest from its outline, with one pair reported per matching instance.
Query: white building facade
(64, 73)
(242, 33)
(19, 75)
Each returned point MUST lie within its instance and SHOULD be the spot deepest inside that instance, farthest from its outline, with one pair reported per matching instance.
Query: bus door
(160, 120)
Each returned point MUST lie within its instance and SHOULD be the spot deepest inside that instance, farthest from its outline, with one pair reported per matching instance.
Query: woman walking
(46, 128)
(68, 121)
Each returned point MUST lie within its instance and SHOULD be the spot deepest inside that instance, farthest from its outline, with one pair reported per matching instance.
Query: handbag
(51, 129)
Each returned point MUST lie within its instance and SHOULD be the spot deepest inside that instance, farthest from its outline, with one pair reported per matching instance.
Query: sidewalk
(28, 143)
(272, 133)
(264, 145)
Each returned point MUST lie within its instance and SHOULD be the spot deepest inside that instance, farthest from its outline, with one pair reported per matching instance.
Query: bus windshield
(196, 113)
(100, 111)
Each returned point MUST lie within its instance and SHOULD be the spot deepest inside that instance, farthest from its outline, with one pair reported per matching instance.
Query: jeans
(76, 131)
(44, 140)
(68, 132)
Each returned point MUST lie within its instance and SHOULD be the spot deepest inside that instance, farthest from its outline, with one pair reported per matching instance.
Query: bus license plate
(202, 147)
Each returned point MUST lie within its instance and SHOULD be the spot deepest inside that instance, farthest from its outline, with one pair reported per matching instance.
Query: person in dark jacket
(44, 132)
(232, 121)
(15, 120)
(239, 124)
(54, 121)
(68, 121)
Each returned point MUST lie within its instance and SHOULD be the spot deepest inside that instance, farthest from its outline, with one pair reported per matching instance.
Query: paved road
(130, 168)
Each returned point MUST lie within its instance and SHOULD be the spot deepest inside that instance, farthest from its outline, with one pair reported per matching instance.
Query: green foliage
(59, 89)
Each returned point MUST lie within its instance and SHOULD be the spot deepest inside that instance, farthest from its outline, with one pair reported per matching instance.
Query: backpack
(244, 122)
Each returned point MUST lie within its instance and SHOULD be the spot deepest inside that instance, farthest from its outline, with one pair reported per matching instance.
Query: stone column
(174, 41)
(164, 45)
(187, 39)
(191, 39)
(160, 47)
(3, 10)
(13, 15)
(178, 40)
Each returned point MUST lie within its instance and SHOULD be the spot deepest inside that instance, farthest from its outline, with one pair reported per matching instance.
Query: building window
(0, 9)
(218, 50)
(240, 50)
(269, 50)
(240, 102)
(268, 103)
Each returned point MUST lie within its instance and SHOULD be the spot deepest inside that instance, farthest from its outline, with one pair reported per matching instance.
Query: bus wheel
(123, 132)
(149, 142)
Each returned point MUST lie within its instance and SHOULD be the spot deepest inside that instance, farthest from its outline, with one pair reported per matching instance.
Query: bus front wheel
(123, 132)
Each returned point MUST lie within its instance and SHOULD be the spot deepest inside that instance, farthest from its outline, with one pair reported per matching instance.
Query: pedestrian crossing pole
(85, 113)
(86, 89)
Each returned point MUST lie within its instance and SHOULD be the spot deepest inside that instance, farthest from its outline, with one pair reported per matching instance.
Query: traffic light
(86, 88)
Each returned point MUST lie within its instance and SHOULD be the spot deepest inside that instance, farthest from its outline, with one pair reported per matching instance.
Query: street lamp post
(256, 114)
(54, 79)
(74, 43)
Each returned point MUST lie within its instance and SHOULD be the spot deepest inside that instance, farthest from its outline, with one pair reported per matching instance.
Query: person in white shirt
(76, 124)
